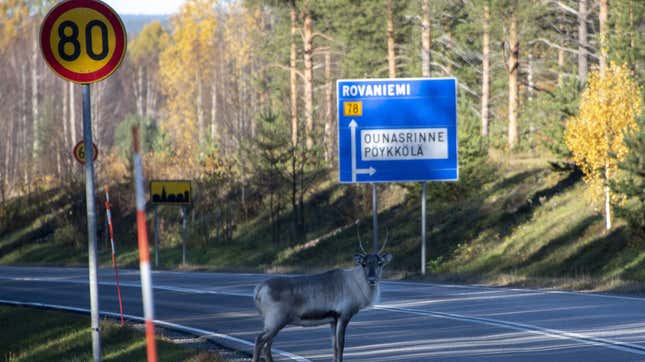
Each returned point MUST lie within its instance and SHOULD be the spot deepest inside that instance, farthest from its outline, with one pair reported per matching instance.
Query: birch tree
(185, 68)
(608, 108)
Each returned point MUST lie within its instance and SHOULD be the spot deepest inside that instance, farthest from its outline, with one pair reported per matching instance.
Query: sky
(145, 6)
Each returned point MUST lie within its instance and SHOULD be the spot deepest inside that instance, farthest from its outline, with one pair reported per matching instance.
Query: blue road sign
(392, 130)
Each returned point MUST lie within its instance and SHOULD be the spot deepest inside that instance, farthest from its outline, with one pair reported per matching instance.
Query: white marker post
(144, 253)
(108, 214)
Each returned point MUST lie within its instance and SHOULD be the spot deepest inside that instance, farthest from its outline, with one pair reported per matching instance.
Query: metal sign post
(156, 226)
(423, 228)
(375, 217)
(84, 41)
(183, 235)
(91, 222)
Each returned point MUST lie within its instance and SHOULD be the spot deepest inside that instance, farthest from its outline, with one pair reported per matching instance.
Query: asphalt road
(412, 322)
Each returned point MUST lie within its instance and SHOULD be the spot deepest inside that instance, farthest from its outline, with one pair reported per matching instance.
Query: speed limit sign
(83, 41)
(79, 152)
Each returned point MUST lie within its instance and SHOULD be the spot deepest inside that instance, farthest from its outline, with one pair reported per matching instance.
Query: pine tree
(631, 183)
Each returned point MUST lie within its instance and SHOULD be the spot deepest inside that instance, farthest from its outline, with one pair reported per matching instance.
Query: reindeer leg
(269, 341)
(259, 342)
(333, 339)
(340, 337)
(272, 325)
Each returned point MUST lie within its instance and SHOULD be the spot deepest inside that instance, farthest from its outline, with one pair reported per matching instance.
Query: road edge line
(234, 343)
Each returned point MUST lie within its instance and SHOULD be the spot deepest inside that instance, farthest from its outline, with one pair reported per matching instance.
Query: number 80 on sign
(83, 41)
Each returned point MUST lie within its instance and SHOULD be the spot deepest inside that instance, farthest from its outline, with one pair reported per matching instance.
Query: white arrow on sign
(369, 171)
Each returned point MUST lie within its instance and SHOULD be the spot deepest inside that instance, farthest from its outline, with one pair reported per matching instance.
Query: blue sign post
(392, 130)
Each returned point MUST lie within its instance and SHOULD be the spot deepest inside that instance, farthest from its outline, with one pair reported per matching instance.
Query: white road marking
(554, 333)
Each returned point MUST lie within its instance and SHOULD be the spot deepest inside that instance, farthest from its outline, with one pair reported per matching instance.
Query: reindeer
(333, 298)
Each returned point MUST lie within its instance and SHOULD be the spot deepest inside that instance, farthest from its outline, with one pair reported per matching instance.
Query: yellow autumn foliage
(608, 109)
(185, 68)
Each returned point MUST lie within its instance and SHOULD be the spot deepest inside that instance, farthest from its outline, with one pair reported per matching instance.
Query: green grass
(521, 221)
(30, 334)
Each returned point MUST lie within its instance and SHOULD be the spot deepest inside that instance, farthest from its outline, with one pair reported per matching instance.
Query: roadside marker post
(84, 41)
(108, 214)
(144, 253)
(397, 130)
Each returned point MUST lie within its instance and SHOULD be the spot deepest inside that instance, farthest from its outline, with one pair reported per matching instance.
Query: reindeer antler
(360, 242)
(387, 234)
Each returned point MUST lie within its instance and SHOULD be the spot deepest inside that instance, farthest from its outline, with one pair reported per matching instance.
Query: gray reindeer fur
(333, 298)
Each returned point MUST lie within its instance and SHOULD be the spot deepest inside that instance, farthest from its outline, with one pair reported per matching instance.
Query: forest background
(239, 97)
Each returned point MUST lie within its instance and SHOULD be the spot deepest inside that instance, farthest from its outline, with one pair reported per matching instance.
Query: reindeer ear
(387, 257)
(358, 258)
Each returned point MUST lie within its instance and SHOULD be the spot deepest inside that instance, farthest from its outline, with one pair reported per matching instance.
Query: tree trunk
(562, 30)
(97, 114)
(214, 136)
(309, 77)
(293, 81)
(24, 144)
(201, 129)
(485, 70)
(607, 200)
(582, 43)
(426, 38)
(632, 28)
(293, 90)
(449, 47)
(513, 88)
(603, 15)
(529, 75)
(301, 204)
(149, 98)
(391, 55)
(35, 116)
(8, 153)
(138, 90)
(72, 114)
(294, 197)
(66, 141)
(329, 117)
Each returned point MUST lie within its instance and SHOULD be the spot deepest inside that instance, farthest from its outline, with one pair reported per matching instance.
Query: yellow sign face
(83, 40)
(70, 40)
(170, 192)
(353, 109)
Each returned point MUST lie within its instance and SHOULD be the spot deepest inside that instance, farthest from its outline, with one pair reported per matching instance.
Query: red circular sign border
(119, 32)
(82, 143)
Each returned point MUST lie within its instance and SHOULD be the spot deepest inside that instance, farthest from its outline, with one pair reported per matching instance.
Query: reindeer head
(372, 264)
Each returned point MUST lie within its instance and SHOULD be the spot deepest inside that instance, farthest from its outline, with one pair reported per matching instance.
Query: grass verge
(525, 222)
(31, 334)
